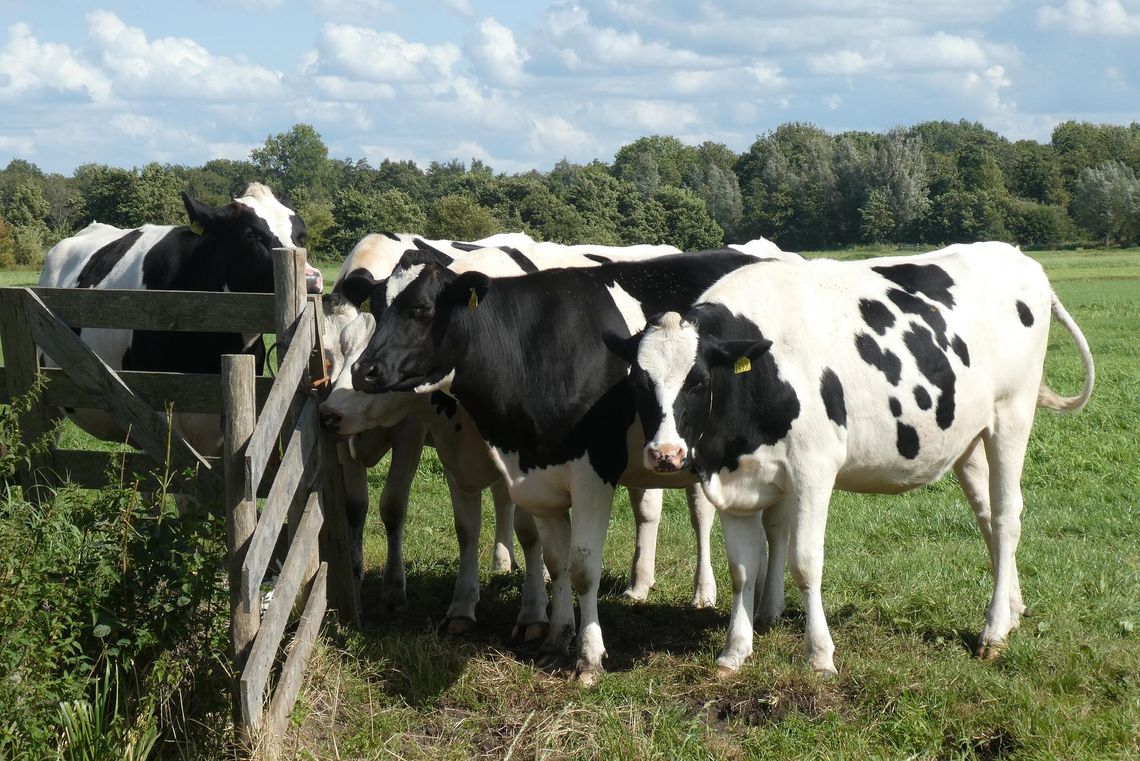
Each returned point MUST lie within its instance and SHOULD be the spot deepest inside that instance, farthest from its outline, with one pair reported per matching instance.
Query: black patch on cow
(1025, 314)
(906, 440)
(961, 350)
(896, 407)
(928, 279)
(298, 232)
(876, 314)
(886, 361)
(935, 367)
(444, 405)
(104, 260)
(525, 264)
(660, 283)
(922, 309)
(922, 397)
(832, 392)
(392, 236)
(465, 246)
(599, 258)
(749, 410)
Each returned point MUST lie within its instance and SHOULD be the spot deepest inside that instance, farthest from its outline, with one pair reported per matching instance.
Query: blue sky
(521, 85)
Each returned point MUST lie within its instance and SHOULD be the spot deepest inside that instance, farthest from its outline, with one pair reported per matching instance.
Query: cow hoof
(588, 677)
(529, 633)
(502, 562)
(826, 674)
(724, 672)
(553, 661)
(989, 651)
(700, 601)
(637, 594)
(460, 626)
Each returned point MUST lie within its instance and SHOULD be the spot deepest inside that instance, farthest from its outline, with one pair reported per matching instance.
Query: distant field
(905, 589)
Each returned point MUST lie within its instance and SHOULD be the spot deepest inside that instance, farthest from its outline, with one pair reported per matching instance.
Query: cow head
(407, 351)
(246, 231)
(676, 371)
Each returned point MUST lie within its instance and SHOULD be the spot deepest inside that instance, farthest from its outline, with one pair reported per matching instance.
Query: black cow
(223, 249)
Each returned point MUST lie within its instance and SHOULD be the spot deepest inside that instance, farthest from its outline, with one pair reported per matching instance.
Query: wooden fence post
(239, 409)
(23, 365)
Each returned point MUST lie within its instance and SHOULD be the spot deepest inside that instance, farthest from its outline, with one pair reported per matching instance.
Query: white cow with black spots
(785, 382)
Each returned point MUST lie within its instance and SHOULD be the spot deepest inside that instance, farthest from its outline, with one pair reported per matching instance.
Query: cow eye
(697, 386)
(418, 312)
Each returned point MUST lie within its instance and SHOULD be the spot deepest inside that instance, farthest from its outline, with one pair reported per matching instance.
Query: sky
(521, 85)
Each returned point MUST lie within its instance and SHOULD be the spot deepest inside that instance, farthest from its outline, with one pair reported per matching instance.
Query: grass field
(906, 584)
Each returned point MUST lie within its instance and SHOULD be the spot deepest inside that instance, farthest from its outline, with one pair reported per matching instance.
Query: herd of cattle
(756, 380)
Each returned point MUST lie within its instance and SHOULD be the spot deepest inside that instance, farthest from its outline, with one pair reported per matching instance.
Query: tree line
(932, 183)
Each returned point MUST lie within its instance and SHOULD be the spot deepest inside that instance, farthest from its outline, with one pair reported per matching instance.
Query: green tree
(7, 244)
(689, 225)
(651, 163)
(1106, 201)
(1037, 224)
(459, 218)
(26, 205)
(358, 213)
(154, 198)
(101, 188)
(294, 159)
(877, 218)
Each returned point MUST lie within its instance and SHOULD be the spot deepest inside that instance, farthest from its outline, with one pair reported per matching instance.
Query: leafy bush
(113, 583)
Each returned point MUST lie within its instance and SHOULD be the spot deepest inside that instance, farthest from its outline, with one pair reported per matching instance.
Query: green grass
(905, 589)
(906, 585)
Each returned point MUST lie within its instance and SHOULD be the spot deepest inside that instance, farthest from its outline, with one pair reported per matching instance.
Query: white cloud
(551, 134)
(462, 7)
(135, 125)
(833, 102)
(371, 56)
(17, 146)
(498, 56)
(31, 69)
(847, 62)
(355, 10)
(1093, 17)
(174, 67)
(767, 74)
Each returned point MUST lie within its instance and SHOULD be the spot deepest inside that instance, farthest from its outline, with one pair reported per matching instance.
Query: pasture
(906, 582)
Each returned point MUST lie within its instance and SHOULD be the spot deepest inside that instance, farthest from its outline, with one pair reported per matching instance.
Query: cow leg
(554, 532)
(355, 476)
(806, 563)
(646, 504)
(1005, 451)
(407, 445)
(744, 546)
(701, 513)
(532, 620)
(466, 507)
(973, 471)
(503, 557)
(770, 598)
(593, 502)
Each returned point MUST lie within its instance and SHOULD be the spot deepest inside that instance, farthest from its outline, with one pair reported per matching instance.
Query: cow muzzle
(666, 458)
(366, 377)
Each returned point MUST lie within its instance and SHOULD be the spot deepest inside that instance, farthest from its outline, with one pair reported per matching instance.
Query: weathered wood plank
(22, 368)
(148, 428)
(188, 392)
(255, 675)
(240, 510)
(289, 683)
(208, 311)
(272, 417)
(297, 472)
(336, 548)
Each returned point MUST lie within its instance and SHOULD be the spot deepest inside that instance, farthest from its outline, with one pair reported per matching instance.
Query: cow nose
(365, 377)
(665, 458)
(330, 420)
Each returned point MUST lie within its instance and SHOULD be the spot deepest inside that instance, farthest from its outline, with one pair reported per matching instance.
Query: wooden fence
(305, 493)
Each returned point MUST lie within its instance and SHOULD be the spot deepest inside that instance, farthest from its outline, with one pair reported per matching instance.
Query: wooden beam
(297, 471)
(255, 675)
(206, 311)
(96, 470)
(147, 428)
(273, 413)
(289, 684)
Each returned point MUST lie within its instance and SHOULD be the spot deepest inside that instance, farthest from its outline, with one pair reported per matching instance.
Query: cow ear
(467, 290)
(623, 346)
(736, 353)
(201, 216)
(434, 254)
(357, 286)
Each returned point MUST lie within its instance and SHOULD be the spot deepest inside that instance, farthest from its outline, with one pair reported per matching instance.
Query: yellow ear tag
(366, 305)
(742, 365)
(196, 227)
(473, 301)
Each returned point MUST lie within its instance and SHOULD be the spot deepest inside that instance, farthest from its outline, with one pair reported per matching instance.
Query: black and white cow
(522, 356)
(784, 383)
(228, 248)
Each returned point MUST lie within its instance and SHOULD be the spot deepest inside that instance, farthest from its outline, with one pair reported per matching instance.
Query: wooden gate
(305, 493)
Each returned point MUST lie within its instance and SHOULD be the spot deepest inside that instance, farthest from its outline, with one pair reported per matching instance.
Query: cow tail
(1047, 397)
